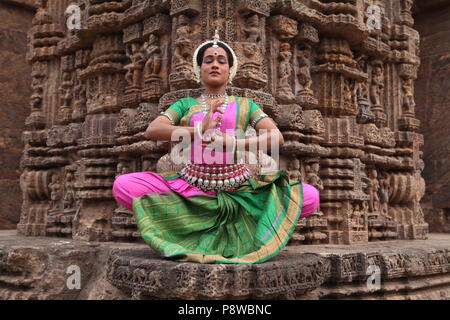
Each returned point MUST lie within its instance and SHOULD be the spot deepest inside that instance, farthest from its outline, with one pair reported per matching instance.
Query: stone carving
(408, 103)
(373, 188)
(377, 84)
(42, 15)
(182, 76)
(69, 195)
(420, 192)
(79, 108)
(384, 193)
(55, 194)
(376, 93)
(134, 69)
(183, 45)
(250, 56)
(362, 93)
(123, 168)
(285, 29)
(294, 170)
(284, 90)
(357, 217)
(349, 92)
(153, 55)
(252, 29)
(312, 176)
(336, 66)
(280, 279)
(66, 93)
(304, 76)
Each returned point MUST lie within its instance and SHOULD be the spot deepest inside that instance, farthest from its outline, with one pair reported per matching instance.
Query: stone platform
(41, 268)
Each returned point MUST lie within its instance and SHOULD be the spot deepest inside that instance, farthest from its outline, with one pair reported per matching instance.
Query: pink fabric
(198, 155)
(134, 185)
(311, 200)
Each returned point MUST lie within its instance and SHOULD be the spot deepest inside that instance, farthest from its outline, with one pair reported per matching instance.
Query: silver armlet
(168, 116)
(262, 116)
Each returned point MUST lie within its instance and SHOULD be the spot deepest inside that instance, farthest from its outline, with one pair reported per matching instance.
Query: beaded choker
(214, 96)
(215, 177)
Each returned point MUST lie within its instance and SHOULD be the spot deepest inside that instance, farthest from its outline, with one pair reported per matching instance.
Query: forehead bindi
(215, 52)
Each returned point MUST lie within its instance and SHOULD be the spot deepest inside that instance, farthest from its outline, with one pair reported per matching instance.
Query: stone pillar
(432, 20)
(15, 20)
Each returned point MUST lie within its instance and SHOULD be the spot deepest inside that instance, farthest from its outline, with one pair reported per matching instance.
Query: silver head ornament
(216, 39)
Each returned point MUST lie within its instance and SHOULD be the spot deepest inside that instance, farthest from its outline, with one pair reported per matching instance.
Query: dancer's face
(215, 69)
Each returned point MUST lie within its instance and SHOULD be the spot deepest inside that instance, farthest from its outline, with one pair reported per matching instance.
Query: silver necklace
(205, 109)
(215, 96)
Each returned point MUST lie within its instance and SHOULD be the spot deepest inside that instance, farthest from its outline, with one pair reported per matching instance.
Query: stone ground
(40, 268)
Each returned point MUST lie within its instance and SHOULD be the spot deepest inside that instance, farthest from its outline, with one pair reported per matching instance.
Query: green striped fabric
(249, 225)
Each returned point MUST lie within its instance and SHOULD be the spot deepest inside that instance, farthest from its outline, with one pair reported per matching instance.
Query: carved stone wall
(432, 95)
(15, 80)
(43, 269)
(337, 77)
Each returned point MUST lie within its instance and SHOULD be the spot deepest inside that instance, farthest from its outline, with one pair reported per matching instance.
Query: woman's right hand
(208, 123)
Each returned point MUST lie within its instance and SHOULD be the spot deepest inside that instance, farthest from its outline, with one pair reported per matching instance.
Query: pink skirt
(135, 185)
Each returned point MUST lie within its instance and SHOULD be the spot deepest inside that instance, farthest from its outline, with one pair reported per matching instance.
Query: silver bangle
(168, 116)
(259, 118)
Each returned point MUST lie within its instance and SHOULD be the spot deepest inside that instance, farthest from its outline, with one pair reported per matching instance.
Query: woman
(214, 212)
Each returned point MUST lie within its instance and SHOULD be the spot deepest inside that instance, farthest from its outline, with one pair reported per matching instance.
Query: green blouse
(247, 112)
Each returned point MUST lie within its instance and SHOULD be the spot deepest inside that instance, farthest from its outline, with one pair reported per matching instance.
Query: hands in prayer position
(212, 137)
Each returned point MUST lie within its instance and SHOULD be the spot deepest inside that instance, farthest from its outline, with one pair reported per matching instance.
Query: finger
(213, 109)
(218, 119)
(220, 111)
(214, 136)
(217, 104)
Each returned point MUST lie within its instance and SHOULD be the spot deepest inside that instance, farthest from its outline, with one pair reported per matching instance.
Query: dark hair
(201, 53)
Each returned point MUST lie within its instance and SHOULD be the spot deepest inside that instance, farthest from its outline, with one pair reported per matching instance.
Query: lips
(214, 73)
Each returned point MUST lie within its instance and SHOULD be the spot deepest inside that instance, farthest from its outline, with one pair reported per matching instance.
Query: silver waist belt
(214, 177)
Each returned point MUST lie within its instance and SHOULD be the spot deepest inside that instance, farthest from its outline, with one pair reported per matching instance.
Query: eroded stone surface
(36, 268)
(283, 277)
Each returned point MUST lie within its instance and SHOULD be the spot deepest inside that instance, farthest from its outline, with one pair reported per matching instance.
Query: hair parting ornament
(215, 44)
